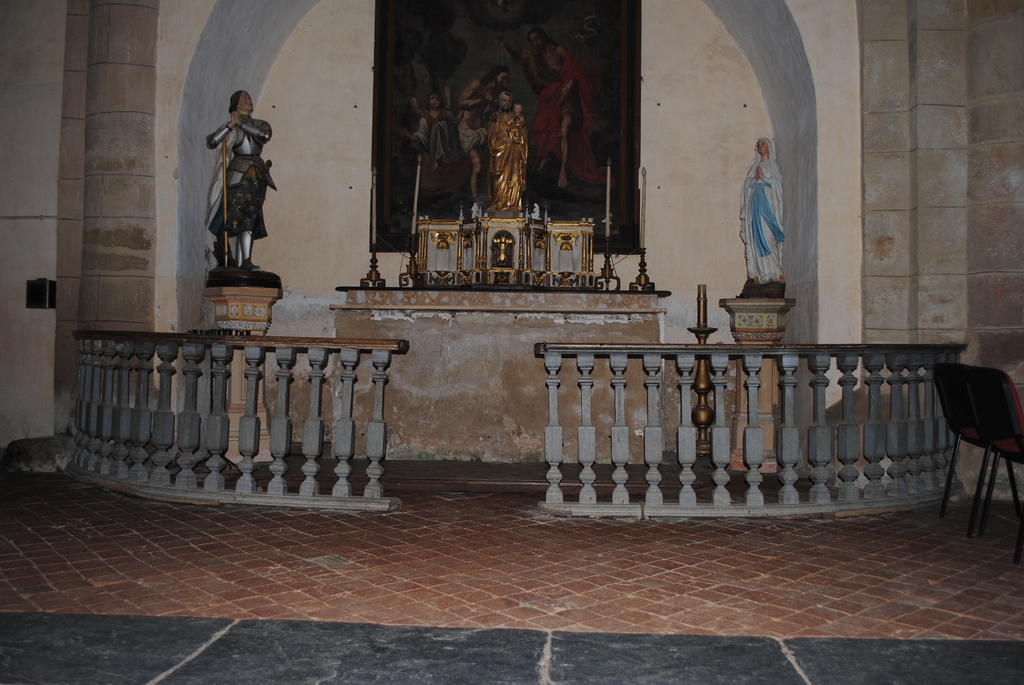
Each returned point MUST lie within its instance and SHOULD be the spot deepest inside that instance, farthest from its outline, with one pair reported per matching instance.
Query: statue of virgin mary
(761, 225)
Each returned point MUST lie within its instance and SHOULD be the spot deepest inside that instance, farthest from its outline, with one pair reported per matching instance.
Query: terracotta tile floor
(489, 561)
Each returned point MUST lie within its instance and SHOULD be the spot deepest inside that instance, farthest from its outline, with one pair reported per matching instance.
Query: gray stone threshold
(47, 649)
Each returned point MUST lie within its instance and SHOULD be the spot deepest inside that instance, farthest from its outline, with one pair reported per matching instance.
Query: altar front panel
(470, 386)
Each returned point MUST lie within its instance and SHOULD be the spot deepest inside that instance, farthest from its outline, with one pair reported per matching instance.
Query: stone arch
(238, 49)
(767, 34)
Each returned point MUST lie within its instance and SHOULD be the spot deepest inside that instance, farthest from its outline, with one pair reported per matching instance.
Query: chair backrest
(951, 384)
(996, 407)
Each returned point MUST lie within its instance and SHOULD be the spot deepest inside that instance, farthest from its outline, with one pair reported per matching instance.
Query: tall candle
(416, 196)
(608, 202)
(643, 204)
(702, 305)
(373, 207)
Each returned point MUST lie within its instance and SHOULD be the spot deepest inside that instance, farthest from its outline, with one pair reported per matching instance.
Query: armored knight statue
(237, 209)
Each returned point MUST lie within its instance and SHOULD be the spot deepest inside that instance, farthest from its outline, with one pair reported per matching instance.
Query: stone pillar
(914, 90)
(938, 133)
(119, 240)
(995, 186)
(70, 185)
(890, 241)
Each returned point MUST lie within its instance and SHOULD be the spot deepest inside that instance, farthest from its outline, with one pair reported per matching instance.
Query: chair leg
(1013, 488)
(949, 476)
(978, 491)
(988, 495)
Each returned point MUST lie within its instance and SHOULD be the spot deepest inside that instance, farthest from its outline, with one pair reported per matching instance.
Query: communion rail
(175, 451)
(843, 468)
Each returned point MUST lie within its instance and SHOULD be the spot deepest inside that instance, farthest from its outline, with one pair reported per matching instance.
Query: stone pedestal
(245, 308)
(757, 321)
(242, 308)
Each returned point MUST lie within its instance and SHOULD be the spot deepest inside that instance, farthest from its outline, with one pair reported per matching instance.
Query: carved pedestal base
(243, 308)
(757, 321)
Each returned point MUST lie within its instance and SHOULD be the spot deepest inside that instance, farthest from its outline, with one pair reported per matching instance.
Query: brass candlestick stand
(373, 278)
(703, 415)
(411, 275)
(642, 282)
(604, 281)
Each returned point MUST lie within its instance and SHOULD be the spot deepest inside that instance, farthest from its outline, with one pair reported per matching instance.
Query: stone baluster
(620, 431)
(915, 427)
(345, 427)
(163, 417)
(587, 433)
(123, 410)
(82, 402)
(249, 423)
(874, 428)
(848, 432)
(654, 439)
(376, 429)
(281, 424)
(787, 440)
(313, 430)
(819, 435)
(107, 408)
(753, 434)
(189, 421)
(218, 424)
(686, 436)
(95, 407)
(930, 457)
(720, 433)
(142, 417)
(553, 431)
(896, 430)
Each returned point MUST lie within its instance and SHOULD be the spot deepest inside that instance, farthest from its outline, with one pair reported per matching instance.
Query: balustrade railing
(858, 460)
(176, 450)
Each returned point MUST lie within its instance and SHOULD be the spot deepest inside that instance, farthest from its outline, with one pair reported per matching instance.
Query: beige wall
(696, 151)
(31, 78)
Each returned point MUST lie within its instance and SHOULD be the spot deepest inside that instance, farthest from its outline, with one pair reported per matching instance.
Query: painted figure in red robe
(565, 110)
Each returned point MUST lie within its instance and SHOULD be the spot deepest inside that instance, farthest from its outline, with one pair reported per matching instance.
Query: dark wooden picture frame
(425, 47)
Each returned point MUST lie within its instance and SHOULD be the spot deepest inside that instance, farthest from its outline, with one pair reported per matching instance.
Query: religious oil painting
(563, 73)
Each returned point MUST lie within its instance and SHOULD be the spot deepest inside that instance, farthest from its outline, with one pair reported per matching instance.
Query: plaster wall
(830, 38)
(696, 150)
(179, 31)
(31, 83)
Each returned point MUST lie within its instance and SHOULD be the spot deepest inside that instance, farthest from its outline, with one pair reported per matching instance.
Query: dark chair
(1000, 420)
(951, 385)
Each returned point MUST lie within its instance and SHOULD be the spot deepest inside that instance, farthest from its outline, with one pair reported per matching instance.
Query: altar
(470, 387)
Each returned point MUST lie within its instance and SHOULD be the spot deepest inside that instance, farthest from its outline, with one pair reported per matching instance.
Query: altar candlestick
(702, 305)
(608, 202)
(643, 205)
(416, 196)
(373, 207)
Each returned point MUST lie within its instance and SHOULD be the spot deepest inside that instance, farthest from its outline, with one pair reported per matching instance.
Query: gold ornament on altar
(507, 141)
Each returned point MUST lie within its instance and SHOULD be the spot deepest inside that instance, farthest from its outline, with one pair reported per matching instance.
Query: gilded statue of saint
(507, 141)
